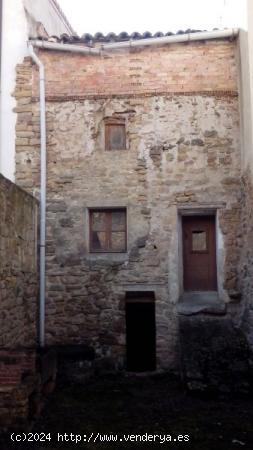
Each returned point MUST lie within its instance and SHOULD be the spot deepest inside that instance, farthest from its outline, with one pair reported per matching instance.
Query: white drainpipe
(43, 167)
(66, 47)
(43, 177)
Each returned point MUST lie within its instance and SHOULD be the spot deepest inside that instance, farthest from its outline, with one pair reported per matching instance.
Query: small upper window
(108, 230)
(115, 134)
(199, 241)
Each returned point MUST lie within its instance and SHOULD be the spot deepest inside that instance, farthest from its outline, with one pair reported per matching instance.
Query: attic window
(115, 134)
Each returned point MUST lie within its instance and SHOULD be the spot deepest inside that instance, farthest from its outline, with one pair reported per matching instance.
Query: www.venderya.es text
(99, 437)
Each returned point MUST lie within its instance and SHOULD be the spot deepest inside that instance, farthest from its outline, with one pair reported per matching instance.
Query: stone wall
(183, 151)
(18, 269)
(18, 300)
(246, 266)
(246, 106)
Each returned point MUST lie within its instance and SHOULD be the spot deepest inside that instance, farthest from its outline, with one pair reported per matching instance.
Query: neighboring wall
(182, 120)
(18, 285)
(246, 91)
(246, 267)
(14, 48)
(49, 14)
(18, 267)
(19, 21)
(18, 303)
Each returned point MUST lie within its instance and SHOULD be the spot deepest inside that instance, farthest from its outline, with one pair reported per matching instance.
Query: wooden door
(199, 253)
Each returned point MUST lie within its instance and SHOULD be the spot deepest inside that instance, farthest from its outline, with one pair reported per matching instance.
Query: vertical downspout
(1, 15)
(1, 48)
(42, 193)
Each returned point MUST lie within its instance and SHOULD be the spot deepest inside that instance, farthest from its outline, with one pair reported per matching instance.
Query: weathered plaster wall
(183, 151)
(47, 13)
(14, 48)
(246, 91)
(20, 20)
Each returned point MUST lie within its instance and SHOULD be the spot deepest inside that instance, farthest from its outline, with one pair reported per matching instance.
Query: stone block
(214, 354)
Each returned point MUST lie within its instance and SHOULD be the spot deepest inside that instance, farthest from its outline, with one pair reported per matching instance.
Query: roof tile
(90, 39)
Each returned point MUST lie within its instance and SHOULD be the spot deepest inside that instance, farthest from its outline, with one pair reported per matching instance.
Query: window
(108, 230)
(115, 134)
(199, 241)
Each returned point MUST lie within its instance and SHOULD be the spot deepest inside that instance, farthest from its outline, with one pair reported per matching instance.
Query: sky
(90, 16)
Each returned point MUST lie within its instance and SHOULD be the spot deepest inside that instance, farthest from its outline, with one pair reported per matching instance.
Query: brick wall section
(182, 123)
(27, 126)
(15, 364)
(18, 381)
(194, 67)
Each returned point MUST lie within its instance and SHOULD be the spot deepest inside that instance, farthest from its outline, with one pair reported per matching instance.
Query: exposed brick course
(194, 67)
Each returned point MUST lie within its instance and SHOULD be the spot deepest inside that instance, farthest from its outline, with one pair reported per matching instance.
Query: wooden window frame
(114, 121)
(108, 230)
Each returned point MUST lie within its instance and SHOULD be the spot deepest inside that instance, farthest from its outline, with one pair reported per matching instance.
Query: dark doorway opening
(140, 331)
(199, 252)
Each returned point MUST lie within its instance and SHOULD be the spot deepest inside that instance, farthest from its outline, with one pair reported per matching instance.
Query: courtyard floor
(143, 412)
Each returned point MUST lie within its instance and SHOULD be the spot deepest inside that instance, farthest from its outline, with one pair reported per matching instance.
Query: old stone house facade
(146, 203)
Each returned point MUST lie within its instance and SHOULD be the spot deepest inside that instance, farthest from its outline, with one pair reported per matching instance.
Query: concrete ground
(143, 406)
(121, 406)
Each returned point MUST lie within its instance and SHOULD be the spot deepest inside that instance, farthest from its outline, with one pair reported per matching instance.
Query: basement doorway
(140, 332)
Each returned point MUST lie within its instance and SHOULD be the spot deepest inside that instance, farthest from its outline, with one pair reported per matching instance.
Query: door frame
(142, 297)
(220, 254)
